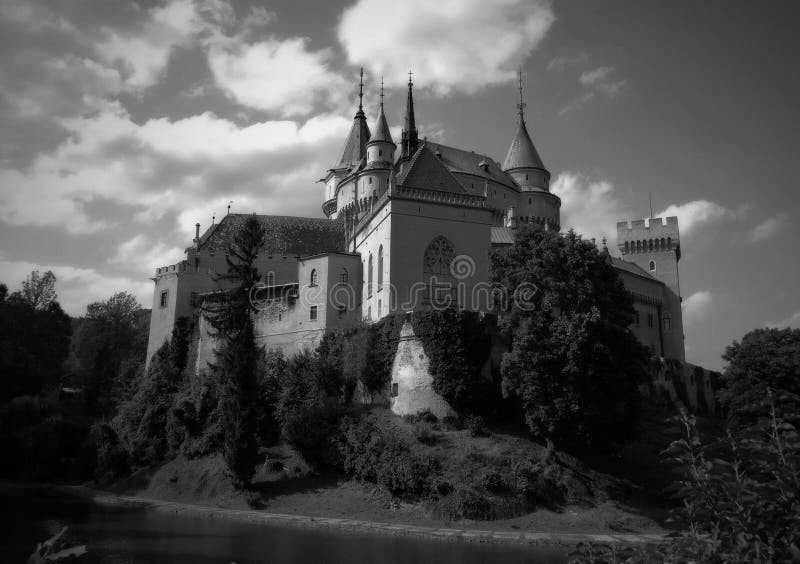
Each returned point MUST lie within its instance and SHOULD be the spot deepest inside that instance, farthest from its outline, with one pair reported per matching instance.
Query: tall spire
(409, 137)
(522, 153)
(382, 133)
(355, 145)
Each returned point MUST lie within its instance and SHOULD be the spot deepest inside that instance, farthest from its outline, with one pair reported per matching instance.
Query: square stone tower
(654, 247)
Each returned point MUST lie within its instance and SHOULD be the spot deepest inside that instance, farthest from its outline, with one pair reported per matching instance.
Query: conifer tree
(236, 355)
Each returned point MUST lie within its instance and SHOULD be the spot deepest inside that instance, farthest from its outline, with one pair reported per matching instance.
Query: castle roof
(427, 172)
(356, 142)
(633, 268)
(286, 235)
(382, 132)
(459, 161)
(522, 153)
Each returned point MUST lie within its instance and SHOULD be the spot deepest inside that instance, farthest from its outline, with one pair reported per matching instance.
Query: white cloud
(589, 206)
(450, 44)
(145, 54)
(596, 81)
(766, 229)
(563, 62)
(697, 307)
(697, 213)
(793, 321)
(77, 287)
(280, 76)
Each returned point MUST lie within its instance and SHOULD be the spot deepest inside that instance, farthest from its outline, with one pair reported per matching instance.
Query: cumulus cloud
(793, 322)
(451, 45)
(281, 76)
(697, 213)
(766, 229)
(589, 206)
(697, 307)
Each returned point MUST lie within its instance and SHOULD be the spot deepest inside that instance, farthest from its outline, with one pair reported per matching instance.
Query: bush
(373, 451)
(424, 433)
(465, 502)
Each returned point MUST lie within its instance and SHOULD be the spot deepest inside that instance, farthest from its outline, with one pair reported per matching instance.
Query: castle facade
(406, 227)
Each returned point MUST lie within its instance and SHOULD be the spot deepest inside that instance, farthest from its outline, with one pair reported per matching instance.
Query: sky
(123, 123)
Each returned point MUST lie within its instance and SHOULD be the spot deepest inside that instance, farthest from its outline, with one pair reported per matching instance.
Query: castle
(409, 227)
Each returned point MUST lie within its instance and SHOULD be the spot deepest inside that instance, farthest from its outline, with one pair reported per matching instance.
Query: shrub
(465, 502)
(424, 433)
(452, 423)
(372, 450)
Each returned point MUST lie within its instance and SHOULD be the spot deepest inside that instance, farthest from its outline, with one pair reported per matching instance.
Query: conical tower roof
(382, 132)
(522, 153)
(355, 147)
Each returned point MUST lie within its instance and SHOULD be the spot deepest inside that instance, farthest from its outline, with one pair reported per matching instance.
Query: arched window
(650, 245)
(667, 323)
(638, 246)
(627, 248)
(380, 269)
(652, 266)
(669, 243)
(313, 276)
(344, 276)
(369, 276)
(438, 256)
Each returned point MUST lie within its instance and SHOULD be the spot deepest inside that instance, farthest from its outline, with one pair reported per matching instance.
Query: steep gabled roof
(522, 153)
(427, 172)
(468, 162)
(286, 235)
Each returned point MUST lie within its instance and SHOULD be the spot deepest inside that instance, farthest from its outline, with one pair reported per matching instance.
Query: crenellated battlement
(181, 266)
(641, 236)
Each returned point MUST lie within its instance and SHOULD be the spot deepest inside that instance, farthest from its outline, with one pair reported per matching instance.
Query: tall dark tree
(574, 364)
(763, 359)
(236, 355)
(34, 339)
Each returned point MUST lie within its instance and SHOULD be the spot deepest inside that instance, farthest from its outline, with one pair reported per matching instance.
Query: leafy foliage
(38, 291)
(458, 345)
(764, 358)
(574, 364)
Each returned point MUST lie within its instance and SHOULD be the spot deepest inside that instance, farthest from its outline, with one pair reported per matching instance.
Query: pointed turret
(355, 147)
(410, 138)
(380, 149)
(523, 161)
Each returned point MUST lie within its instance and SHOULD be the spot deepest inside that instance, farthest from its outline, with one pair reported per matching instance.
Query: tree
(34, 342)
(765, 358)
(109, 346)
(38, 290)
(236, 356)
(574, 364)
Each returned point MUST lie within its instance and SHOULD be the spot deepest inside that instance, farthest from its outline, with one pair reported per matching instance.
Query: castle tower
(523, 163)
(654, 247)
(355, 149)
(409, 137)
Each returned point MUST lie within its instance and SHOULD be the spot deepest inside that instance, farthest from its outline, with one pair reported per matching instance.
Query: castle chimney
(196, 236)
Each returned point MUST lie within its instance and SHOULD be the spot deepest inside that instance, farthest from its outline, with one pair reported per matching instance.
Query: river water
(135, 535)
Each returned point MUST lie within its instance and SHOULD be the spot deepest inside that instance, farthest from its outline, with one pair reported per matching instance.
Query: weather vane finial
(521, 105)
(361, 91)
(381, 92)
(409, 78)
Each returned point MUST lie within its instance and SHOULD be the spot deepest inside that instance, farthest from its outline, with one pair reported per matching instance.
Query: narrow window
(667, 323)
(652, 266)
(370, 180)
(380, 271)
(380, 152)
(164, 298)
(394, 389)
(313, 276)
(650, 320)
(344, 277)
(369, 276)
(270, 278)
(379, 308)
(313, 313)
(627, 248)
